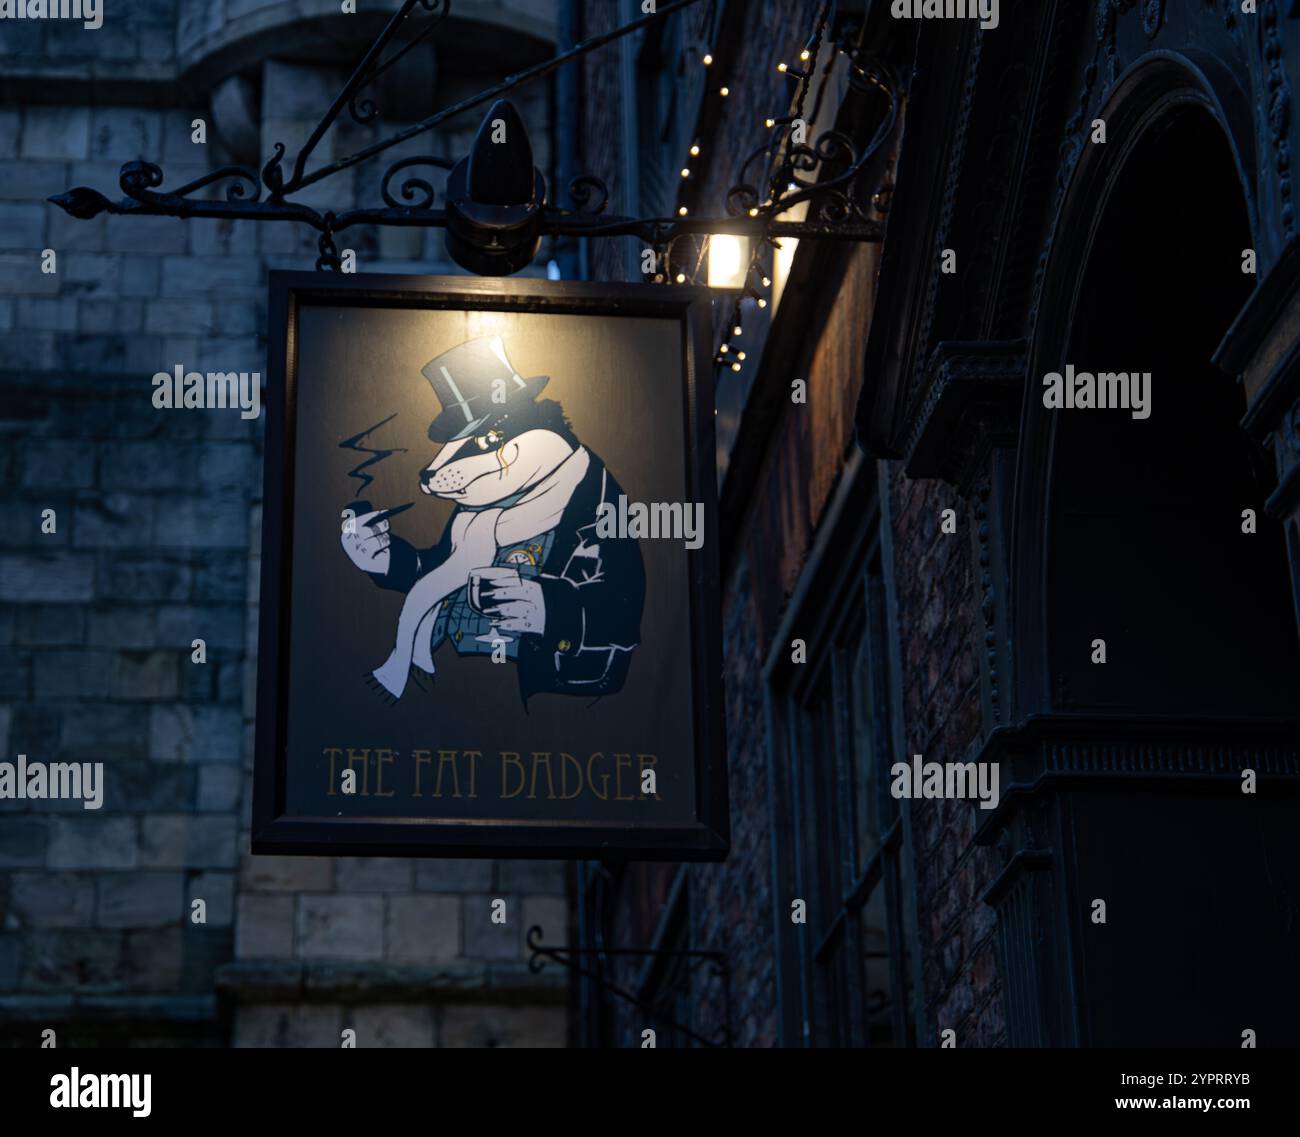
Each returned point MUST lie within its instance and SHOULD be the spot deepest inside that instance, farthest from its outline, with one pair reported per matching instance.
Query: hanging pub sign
(489, 601)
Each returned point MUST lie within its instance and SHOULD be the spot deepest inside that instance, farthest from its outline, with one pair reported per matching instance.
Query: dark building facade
(927, 556)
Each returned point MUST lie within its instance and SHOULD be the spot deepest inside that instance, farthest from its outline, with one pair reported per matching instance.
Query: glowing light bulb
(728, 258)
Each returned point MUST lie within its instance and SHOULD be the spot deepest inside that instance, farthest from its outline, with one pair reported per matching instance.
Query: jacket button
(563, 645)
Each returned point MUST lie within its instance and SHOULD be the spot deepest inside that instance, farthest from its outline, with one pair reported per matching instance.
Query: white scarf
(476, 537)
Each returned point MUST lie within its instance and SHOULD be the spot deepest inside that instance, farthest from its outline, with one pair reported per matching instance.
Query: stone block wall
(156, 543)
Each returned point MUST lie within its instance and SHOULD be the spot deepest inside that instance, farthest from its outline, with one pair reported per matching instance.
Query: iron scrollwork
(754, 205)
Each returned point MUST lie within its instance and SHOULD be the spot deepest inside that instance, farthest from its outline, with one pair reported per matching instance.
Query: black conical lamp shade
(495, 198)
(501, 159)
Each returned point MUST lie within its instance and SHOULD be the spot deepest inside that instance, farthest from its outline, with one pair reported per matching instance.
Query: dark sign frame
(274, 831)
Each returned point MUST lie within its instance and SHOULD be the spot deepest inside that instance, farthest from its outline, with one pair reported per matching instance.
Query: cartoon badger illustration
(519, 568)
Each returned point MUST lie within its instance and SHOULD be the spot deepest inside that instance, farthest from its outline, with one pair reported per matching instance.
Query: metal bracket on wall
(496, 208)
(567, 956)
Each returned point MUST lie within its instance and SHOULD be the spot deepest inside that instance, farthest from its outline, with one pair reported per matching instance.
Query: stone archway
(1145, 548)
(1124, 778)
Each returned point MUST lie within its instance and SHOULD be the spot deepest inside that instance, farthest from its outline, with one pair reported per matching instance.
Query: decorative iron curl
(272, 174)
(839, 206)
(741, 198)
(832, 146)
(364, 110)
(536, 961)
(412, 186)
(837, 200)
(139, 180)
(589, 194)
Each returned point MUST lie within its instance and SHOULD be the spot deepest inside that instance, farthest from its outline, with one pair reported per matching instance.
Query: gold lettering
(542, 757)
(510, 758)
(383, 757)
(333, 752)
(565, 760)
(603, 792)
(473, 756)
(422, 758)
(445, 756)
(621, 761)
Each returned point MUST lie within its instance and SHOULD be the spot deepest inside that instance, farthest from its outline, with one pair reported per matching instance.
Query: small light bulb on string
(686, 173)
(695, 150)
(806, 54)
(681, 278)
(740, 355)
(735, 367)
(794, 72)
(681, 212)
(736, 331)
(708, 60)
(724, 91)
(726, 347)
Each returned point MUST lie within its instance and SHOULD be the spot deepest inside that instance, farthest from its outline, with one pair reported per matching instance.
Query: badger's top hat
(473, 382)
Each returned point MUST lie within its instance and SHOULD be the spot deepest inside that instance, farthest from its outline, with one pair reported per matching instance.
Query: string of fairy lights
(754, 281)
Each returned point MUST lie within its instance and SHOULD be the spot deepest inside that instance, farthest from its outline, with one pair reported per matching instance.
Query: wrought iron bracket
(567, 956)
(754, 204)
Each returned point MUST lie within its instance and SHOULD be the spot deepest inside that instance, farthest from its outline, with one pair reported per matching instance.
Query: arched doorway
(1145, 543)
(1130, 530)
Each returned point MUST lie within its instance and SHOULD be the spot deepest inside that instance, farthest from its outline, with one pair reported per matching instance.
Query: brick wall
(942, 636)
(732, 904)
(158, 532)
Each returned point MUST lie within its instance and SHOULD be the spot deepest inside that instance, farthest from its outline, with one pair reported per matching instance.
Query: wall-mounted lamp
(728, 261)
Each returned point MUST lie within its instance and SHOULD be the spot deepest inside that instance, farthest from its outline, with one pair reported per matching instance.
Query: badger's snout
(446, 479)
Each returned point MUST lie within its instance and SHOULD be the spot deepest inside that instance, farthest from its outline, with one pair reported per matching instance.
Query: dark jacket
(594, 589)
